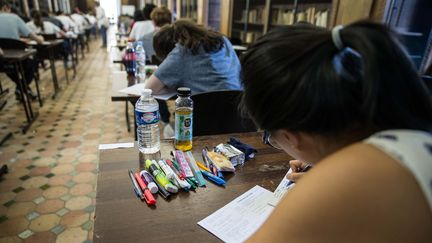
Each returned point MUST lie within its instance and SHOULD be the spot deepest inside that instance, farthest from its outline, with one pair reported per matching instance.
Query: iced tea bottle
(183, 119)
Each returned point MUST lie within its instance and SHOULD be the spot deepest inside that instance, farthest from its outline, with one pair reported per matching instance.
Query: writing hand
(297, 166)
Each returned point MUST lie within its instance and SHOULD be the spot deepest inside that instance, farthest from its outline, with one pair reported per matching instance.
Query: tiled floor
(49, 193)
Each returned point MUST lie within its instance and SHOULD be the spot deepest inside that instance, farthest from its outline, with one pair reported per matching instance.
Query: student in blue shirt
(13, 27)
(194, 57)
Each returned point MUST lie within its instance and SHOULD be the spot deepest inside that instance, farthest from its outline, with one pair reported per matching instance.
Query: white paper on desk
(136, 89)
(281, 190)
(115, 145)
(239, 219)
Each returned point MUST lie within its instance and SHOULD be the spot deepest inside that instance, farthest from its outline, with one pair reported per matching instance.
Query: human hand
(298, 168)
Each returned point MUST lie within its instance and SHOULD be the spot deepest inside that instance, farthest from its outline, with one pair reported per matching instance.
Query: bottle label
(146, 118)
(183, 131)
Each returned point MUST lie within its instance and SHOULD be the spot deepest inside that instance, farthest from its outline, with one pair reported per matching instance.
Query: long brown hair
(189, 35)
(37, 19)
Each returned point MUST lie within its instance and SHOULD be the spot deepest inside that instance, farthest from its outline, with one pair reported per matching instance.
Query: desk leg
(66, 73)
(26, 100)
(5, 138)
(53, 73)
(37, 79)
(127, 116)
(22, 87)
(135, 125)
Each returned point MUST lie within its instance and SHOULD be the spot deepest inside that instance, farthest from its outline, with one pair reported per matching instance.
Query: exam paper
(281, 190)
(239, 219)
(115, 145)
(138, 88)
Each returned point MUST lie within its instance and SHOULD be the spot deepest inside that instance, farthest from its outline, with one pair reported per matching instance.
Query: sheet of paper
(281, 190)
(115, 145)
(239, 219)
(137, 88)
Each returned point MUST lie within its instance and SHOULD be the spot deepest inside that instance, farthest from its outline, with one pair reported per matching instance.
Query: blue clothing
(203, 72)
(12, 26)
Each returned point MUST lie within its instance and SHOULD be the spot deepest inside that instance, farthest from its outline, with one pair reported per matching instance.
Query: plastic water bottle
(140, 61)
(130, 59)
(147, 120)
(183, 119)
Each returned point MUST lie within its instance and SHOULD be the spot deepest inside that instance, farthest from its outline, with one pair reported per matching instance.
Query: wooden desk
(48, 47)
(121, 217)
(15, 58)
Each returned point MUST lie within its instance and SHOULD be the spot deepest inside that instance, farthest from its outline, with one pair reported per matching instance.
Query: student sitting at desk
(142, 23)
(39, 26)
(193, 57)
(13, 27)
(160, 16)
(351, 103)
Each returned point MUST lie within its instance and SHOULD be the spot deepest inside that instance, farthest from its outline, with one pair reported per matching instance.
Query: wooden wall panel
(226, 16)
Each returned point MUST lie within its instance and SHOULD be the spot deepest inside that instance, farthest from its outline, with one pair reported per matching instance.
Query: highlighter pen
(173, 177)
(206, 158)
(146, 192)
(135, 185)
(177, 166)
(203, 167)
(170, 164)
(160, 177)
(145, 176)
(218, 181)
(305, 169)
(164, 193)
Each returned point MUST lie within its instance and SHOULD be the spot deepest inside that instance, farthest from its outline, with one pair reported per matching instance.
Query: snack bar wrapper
(234, 155)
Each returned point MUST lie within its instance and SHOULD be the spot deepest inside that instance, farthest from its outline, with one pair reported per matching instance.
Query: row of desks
(44, 51)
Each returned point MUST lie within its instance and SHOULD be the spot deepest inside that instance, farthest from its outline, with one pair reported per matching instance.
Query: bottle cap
(183, 91)
(146, 92)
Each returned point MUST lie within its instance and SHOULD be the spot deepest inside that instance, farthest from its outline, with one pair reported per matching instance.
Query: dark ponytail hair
(295, 78)
(37, 19)
(189, 35)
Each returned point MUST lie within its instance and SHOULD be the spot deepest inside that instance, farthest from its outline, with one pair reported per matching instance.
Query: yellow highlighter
(203, 167)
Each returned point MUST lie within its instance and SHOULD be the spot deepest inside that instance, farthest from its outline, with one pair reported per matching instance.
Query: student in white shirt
(80, 21)
(144, 27)
(38, 26)
(68, 24)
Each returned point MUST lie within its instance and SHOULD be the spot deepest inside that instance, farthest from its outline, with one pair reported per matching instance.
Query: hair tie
(336, 37)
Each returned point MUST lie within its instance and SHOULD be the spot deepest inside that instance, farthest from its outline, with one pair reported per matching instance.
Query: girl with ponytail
(350, 103)
(38, 26)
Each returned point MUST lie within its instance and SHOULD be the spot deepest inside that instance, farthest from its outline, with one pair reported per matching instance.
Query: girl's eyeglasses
(267, 139)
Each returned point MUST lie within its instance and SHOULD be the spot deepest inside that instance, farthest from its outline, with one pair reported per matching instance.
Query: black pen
(306, 168)
(135, 185)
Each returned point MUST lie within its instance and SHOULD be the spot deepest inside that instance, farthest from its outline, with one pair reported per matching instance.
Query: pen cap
(152, 187)
(149, 181)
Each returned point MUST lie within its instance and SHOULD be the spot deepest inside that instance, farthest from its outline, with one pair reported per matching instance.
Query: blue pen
(306, 168)
(135, 185)
(213, 178)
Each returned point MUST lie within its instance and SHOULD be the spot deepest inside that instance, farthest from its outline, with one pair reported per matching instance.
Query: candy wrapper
(234, 155)
(220, 161)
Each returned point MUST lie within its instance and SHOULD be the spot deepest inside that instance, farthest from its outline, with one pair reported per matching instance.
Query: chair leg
(36, 78)
(66, 72)
(127, 116)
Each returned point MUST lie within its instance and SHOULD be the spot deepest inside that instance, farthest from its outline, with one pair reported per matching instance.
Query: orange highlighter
(148, 196)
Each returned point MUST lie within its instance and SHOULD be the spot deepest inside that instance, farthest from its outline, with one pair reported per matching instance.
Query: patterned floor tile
(55, 192)
(72, 235)
(52, 179)
(41, 237)
(75, 218)
(50, 206)
(28, 195)
(44, 222)
(25, 234)
(20, 209)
